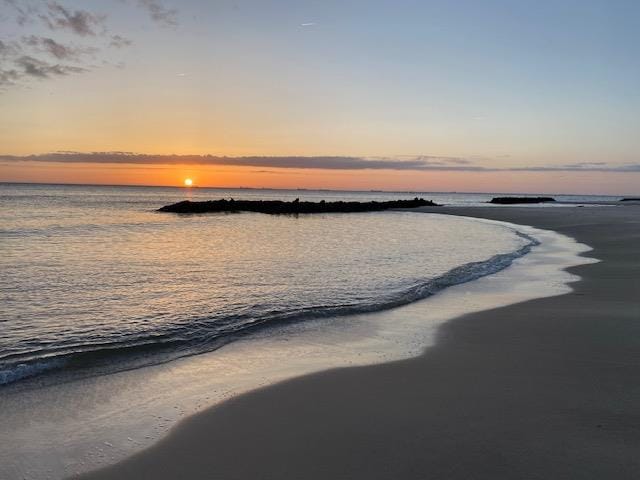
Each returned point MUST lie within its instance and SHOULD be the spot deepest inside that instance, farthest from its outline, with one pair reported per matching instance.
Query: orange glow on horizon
(223, 176)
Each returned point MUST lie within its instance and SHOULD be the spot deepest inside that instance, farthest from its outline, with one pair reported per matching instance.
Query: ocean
(95, 280)
(107, 303)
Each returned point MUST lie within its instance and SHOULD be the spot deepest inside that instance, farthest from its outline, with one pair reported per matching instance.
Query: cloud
(56, 49)
(298, 162)
(585, 165)
(80, 22)
(25, 12)
(118, 41)
(42, 57)
(40, 69)
(159, 13)
(9, 49)
(578, 167)
(437, 160)
(418, 163)
(19, 61)
(9, 77)
(37, 56)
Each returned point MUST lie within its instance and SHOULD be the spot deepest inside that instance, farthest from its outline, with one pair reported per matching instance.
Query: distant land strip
(279, 207)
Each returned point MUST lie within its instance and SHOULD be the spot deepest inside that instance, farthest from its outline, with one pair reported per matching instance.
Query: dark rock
(513, 200)
(297, 206)
(630, 199)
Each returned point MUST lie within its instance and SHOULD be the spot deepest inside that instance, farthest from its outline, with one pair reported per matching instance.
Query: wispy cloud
(159, 13)
(58, 50)
(9, 49)
(436, 160)
(40, 69)
(318, 162)
(9, 76)
(118, 41)
(37, 56)
(628, 167)
(417, 163)
(80, 22)
(25, 12)
(34, 56)
(585, 164)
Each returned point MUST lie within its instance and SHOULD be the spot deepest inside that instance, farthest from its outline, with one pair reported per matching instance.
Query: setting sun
(188, 182)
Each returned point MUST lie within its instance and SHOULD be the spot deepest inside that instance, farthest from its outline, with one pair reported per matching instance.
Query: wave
(203, 335)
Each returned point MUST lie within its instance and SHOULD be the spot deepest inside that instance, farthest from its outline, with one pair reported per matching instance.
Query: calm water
(95, 280)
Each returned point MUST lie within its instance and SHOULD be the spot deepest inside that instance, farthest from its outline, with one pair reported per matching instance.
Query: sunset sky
(477, 95)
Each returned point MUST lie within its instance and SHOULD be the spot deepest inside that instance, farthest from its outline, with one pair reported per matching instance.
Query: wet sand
(543, 389)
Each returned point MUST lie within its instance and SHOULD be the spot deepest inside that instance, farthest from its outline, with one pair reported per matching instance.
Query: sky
(476, 95)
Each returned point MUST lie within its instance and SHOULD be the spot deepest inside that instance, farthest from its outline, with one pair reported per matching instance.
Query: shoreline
(131, 411)
(22, 377)
(348, 414)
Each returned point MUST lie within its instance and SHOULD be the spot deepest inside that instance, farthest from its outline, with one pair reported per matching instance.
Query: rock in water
(514, 200)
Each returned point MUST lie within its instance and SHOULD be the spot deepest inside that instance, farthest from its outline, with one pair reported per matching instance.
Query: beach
(541, 389)
(319, 240)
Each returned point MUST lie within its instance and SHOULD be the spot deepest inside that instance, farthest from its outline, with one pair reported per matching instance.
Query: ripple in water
(93, 277)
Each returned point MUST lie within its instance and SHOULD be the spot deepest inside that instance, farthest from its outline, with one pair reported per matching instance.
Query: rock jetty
(276, 207)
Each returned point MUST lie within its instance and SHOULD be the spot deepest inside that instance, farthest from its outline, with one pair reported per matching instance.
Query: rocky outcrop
(515, 200)
(296, 206)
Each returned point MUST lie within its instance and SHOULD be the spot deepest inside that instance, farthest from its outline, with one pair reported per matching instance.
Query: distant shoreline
(301, 189)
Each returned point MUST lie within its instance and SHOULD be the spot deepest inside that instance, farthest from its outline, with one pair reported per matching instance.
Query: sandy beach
(543, 389)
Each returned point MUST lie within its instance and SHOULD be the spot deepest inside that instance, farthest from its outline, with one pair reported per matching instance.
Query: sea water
(97, 285)
(95, 280)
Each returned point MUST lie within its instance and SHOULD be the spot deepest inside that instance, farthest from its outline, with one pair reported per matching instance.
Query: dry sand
(546, 389)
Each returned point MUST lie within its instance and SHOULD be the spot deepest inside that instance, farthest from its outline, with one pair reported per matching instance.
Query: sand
(544, 389)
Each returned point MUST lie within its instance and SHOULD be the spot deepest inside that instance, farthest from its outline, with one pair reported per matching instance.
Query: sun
(188, 182)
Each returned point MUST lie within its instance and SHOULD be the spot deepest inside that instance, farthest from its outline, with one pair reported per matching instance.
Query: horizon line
(182, 187)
